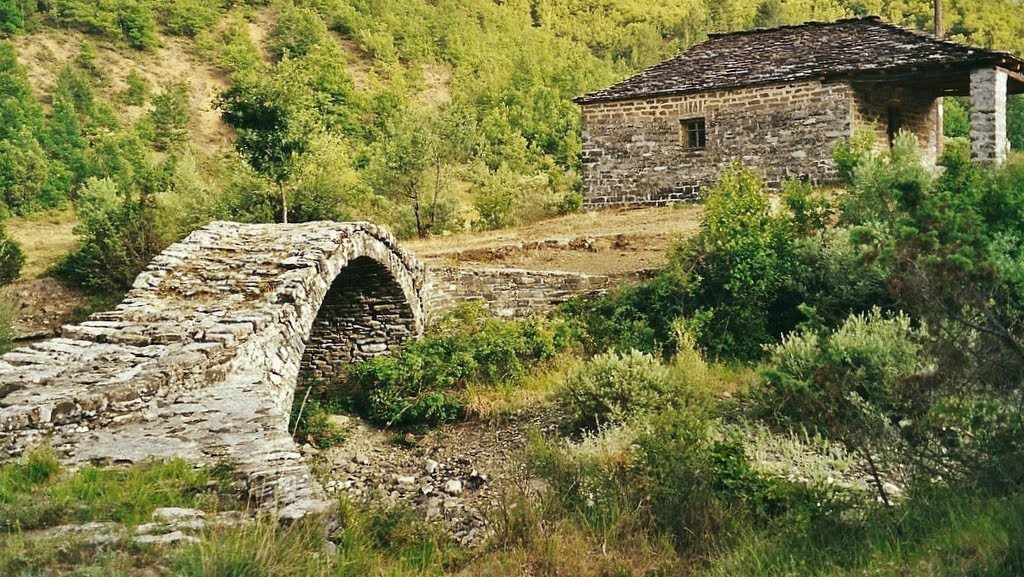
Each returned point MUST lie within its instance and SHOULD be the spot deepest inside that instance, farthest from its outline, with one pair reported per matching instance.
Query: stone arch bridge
(202, 357)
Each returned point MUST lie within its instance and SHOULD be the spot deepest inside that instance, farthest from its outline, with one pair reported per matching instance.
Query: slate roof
(813, 50)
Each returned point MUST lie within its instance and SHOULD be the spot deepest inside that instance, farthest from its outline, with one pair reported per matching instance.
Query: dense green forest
(426, 116)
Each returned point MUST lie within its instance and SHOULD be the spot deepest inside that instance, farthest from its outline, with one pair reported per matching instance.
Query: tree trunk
(284, 203)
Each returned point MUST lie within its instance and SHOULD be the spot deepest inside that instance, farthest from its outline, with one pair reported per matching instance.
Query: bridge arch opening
(365, 313)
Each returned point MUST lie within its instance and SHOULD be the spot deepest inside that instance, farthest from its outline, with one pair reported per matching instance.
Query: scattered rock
(453, 487)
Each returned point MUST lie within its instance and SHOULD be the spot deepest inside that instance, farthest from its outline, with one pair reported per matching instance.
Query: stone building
(778, 100)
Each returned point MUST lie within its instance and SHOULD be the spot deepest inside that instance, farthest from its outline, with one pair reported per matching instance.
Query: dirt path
(603, 242)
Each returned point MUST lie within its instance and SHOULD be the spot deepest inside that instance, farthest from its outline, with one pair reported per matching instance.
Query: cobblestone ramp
(201, 358)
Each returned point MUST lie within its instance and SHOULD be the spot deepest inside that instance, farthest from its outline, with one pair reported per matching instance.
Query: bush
(11, 258)
(188, 17)
(613, 388)
(702, 489)
(419, 384)
(313, 425)
(298, 31)
(118, 238)
(11, 21)
(170, 115)
(860, 385)
(137, 89)
(884, 186)
(640, 316)
(128, 20)
(744, 269)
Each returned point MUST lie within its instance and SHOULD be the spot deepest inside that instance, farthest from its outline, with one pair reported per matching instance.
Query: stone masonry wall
(988, 115)
(634, 152)
(509, 292)
(916, 110)
(364, 314)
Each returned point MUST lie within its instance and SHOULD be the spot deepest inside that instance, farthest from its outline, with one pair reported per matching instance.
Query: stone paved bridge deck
(201, 358)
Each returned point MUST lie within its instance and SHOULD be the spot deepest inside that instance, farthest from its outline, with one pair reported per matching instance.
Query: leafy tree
(11, 19)
(271, 112)
(18, 107)
(744, 269)
(170, 115)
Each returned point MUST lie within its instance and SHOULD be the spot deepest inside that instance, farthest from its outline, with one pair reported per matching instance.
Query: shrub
(118, 238)
(614, 388)
(137, 89)
(11, 258)
(170, 115)
(702, 489)
(851, 153)
(884, 186)
(298, 31)
(188, 17)
(640, 316)
(744, 270)
(859, 385)
(11, 21)
(128, 20)
(313, 425)
(419, 384)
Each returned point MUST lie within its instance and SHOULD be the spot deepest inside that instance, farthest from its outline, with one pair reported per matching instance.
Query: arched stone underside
(364, 314)
(201, 358)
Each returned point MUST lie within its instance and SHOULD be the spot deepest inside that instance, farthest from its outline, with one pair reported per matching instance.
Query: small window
(694, 133)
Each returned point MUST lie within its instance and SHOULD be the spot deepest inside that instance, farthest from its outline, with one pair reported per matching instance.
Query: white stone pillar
(988, 115)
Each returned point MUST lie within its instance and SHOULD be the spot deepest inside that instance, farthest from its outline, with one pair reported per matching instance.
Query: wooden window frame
(693, 132)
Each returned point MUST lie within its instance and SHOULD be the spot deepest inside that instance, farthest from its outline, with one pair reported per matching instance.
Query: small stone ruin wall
(635, 151)
(509, 292)
(364, 314)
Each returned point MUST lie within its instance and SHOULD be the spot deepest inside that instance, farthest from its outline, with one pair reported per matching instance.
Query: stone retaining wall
(509, 292)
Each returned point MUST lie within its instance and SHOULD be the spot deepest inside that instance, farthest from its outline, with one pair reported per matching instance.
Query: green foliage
(313, 425)
(118, 236)
(137, 89)
(612, 389)
(11, 258)
(132, 21)
(11, 18)
(744, 268)
(188, 17)
(956, 117)
(704, 491)
(640, 316)
(1015, 121)
(298, 31)
(860, 385)
(419, 384)
(883, 185)
(18, 108)
(170, 115)
(848, 154)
